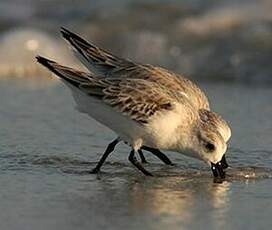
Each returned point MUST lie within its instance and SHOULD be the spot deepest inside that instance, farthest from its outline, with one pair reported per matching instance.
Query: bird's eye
(210, 147)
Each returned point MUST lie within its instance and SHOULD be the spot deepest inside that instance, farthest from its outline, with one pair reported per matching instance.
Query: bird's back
(106, 65)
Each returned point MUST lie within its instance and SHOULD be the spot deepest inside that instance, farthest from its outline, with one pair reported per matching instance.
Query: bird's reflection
(163, 198)
(182, 199)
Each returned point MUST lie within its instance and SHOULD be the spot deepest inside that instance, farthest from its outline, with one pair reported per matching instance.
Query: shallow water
(46, 147)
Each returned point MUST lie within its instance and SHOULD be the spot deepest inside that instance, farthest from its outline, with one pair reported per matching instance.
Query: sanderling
(148, 107)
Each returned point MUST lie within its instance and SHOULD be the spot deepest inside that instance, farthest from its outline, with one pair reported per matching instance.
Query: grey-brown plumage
(148, 107)
(133, 97)
(107, 65)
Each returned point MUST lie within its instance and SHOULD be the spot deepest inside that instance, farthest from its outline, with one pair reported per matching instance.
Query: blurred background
(225, 46)
(209, 40)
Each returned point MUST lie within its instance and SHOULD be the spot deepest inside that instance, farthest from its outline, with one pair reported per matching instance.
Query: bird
(148, 107)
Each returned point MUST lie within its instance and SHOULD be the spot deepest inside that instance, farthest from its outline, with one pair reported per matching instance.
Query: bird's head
(217, 122)
(207, 142)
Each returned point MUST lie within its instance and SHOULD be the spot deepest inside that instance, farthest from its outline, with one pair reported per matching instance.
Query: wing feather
(96, 59)
(108, 65)
(137, 98)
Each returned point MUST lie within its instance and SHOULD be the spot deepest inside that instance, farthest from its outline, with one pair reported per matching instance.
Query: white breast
(164, 129)
(127, 129)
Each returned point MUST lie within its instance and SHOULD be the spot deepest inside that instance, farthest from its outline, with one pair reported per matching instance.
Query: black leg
(143, 160)
(109, 149)
(158, 154)
(137, 164)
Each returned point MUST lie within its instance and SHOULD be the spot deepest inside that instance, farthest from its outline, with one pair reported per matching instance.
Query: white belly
(127, 129)
(156, 134)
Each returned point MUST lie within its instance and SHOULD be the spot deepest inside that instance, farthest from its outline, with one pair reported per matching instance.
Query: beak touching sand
(218, 168)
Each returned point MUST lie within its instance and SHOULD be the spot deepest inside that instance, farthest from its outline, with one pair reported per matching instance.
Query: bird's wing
(104, 63)
(95, 59)
(178, 86)
(72, 76)
(107, 65)
(137, 98)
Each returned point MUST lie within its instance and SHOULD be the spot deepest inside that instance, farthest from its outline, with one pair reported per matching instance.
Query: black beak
(224, 162)
(218, 168)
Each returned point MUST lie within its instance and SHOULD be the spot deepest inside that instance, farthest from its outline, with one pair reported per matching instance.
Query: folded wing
(108, 65)
(138, 99)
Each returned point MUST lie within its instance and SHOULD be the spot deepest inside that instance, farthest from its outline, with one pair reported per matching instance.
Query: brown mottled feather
(108, 65)
(136, 98)
(178, 85)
